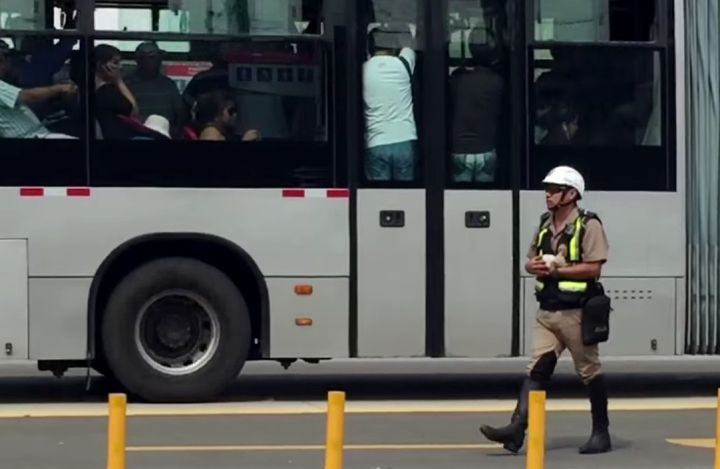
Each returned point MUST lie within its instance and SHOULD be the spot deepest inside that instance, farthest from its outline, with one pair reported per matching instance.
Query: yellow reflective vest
(557, 294)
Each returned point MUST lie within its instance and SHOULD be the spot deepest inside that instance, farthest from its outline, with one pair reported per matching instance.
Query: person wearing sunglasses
(216, 114)
(566, 256)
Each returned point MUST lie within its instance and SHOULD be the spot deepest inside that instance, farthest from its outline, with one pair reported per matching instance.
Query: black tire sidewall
(123, 309)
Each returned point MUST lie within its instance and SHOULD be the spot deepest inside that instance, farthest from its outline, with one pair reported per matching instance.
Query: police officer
(566, 255)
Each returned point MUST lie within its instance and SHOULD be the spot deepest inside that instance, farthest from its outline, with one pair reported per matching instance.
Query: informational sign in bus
(279, 74)
(182, 72)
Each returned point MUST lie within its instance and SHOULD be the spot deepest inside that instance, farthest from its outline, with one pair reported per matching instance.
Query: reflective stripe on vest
(572, 287)
(574, 248)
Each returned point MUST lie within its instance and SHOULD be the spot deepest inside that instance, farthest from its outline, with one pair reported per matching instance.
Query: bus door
(391, 222)
(13, 299)
(477, 200)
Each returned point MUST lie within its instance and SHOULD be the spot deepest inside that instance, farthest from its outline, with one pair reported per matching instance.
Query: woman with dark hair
(562, 125)
(215, 115)
(112, 97)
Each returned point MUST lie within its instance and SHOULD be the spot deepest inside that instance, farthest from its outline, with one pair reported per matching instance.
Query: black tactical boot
(599, 441)
(512, 436)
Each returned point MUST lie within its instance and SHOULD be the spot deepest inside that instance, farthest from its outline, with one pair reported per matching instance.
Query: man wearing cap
(156, 94)
(566, 255)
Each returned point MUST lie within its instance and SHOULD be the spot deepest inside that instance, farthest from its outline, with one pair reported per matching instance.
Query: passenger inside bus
(391, 133)
(216, 78)
(113, 99)
(156, 94)
(17, 119)
(562, 125)
(215, 115)
(476, 96)
(595, 97)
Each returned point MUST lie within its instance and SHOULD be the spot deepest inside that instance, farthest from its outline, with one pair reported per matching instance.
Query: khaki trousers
(556, 330)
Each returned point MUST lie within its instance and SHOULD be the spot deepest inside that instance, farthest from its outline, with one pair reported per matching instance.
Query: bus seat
(189, 133)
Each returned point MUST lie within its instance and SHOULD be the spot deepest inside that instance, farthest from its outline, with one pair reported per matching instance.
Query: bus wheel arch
(218, 252)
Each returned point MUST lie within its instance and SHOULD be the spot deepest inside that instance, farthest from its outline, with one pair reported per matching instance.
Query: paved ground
(398, 379)
(402, 414)
(374, 441)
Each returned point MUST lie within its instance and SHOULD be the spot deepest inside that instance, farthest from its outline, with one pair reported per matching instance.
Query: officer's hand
(537, 266)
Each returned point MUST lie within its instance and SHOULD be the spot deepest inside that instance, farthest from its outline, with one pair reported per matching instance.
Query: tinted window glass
(37, 15)
(256, 17)
(225, 114)
(478, 100)
(595, 20)
(42, 110)
(391, 94)
(600, 109)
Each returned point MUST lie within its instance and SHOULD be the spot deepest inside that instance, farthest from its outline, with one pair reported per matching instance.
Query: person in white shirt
(391, 135)
(17, 120)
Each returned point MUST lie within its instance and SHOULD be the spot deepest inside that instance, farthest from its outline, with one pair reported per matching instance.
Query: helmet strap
(562, 204)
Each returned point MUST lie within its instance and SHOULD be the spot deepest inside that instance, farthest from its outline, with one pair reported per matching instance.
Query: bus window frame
(663, 45)
(662, 7)
(153, 5)
(330, 95)
(30, 171)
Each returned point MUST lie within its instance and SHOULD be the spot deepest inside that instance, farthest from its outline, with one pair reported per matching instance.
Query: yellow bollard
(536, 431)
(117, 431)
(717, 433)
(335, 430)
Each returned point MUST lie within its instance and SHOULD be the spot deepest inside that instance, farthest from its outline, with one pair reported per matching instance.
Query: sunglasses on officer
(554, 188)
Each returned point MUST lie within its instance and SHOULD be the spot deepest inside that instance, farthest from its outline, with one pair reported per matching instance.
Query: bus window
(595, 20)
(37, 15)
(600, 108)
(390, 95)
(255, 17)
(478, 84)
(597, 96)
(42, 117)
(276, 87)
(39, 78)
(243, 98)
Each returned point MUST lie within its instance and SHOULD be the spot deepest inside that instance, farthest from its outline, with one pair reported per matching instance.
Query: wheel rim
(177, 332)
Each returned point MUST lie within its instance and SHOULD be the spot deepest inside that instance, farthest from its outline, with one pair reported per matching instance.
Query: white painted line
(359, 407)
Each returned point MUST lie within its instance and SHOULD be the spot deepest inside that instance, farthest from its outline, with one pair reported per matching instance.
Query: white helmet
(566, 176)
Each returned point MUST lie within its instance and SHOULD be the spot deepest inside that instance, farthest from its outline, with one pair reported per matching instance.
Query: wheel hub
(177, 332)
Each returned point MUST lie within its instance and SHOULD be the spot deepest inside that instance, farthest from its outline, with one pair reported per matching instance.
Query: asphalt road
(418, 414)
(374, 441)
(396, 379)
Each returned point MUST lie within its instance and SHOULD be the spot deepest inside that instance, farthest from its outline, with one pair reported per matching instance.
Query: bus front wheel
(176, 329)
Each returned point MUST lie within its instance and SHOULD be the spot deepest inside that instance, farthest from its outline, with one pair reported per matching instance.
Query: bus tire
(176, 330)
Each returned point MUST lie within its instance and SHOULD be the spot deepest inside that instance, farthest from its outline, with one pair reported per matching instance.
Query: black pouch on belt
(596, 318)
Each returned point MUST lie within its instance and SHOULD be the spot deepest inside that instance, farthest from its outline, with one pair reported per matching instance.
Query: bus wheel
(176, 329)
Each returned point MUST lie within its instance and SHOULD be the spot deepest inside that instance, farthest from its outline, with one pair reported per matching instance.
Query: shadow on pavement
(293, 387)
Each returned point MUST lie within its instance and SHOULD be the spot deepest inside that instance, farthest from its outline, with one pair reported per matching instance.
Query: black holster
(596, 317)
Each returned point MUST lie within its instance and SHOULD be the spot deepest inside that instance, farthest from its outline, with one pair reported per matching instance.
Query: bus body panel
(327, 307)
(645, 230)
(13, 300)
(645, 273)
(680, 314)
(58, 318)
(642, 321)
(391, 274)
(71, 236)
(478, 276)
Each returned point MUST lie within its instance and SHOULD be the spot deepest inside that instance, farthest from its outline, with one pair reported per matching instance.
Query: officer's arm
(582, 271)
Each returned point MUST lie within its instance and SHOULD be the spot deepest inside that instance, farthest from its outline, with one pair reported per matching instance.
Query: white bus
(167, 252)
